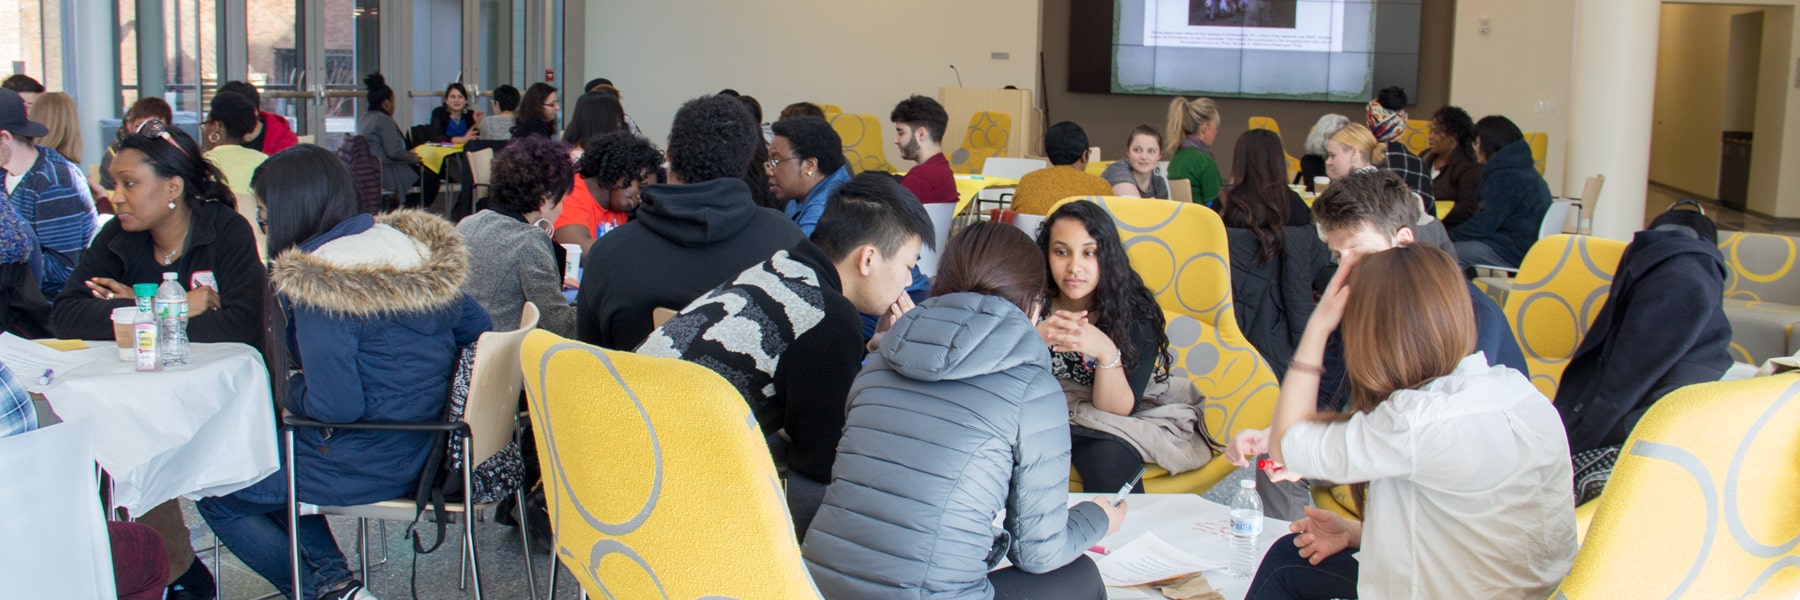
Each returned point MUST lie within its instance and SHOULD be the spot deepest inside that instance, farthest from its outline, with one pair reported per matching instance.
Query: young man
(1364, 213)
(919, 124)
(27, 88)
(44, 191)
(691, 234)
(786, 332)
(1066, 146)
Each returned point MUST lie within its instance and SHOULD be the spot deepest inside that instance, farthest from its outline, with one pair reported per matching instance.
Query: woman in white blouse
(1463, 468)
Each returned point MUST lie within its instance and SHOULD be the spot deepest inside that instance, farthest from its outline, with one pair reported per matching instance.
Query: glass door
(309, 58)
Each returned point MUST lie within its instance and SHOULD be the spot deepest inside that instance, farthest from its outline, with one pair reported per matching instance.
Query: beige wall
(1523, 60)
(862, 56)
(1690, 96)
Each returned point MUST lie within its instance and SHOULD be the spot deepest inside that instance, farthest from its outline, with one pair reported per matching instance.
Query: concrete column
(96, 82)
(1612, 93)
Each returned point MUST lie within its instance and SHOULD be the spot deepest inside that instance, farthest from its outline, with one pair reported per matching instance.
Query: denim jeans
(1284, 575)
(1473, 253)
(257, 533)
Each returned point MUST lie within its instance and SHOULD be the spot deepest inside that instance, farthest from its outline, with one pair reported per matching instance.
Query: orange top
(1040, 190)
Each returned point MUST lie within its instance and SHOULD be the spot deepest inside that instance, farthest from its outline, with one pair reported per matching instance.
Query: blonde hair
(56, 111)
(1359, 138)
(1185, 117)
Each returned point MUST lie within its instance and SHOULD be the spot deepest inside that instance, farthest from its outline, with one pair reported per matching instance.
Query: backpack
(441, 482)
(365, 170)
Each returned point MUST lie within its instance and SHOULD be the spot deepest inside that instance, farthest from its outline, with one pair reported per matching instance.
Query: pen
(47, 376)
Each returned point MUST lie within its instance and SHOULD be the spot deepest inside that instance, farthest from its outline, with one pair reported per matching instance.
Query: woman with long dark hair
(595, 114)
(1456, 174)
(454, 121)
(1457, 462)
(537, 112)
(1105, 332)
(375, 319)
(1258, 199)
(1275, 252)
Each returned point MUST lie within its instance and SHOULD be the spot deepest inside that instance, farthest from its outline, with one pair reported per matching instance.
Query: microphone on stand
(958, 75)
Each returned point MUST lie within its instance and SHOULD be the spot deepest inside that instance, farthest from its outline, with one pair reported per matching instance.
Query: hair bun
(375, 81)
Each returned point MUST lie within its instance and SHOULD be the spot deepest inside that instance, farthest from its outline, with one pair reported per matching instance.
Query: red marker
(1268, 465)
(1100, 550)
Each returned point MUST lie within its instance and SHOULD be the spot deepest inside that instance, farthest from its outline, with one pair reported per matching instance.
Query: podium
(1026, 131)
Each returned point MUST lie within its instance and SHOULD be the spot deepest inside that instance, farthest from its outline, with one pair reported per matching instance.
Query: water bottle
(171, 318)
(1246, 525)
(146, 343)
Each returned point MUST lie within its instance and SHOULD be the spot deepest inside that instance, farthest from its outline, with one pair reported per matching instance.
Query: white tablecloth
(203, 429)
(1193, 524)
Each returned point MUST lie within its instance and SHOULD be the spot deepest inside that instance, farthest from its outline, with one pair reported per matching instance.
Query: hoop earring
(214, 137)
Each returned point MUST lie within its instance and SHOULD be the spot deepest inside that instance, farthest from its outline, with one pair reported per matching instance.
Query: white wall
(860, 55)
(1690, 96)
(1523, 60)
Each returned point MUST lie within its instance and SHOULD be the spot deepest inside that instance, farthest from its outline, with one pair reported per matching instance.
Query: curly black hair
(610, 158)
(1065, 143)
(712, 137)
(1121, 300)
(922, 111)
(529, 171)
(379, 92)
(234, 111)
(240, 87)
(813, 138)
(506, 97)
(1456, 123)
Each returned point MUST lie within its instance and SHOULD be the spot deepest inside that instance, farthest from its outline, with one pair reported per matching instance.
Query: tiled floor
(1660, 198)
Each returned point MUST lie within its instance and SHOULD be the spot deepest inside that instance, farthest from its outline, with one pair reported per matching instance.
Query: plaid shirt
(1413, 171)
(16, 413)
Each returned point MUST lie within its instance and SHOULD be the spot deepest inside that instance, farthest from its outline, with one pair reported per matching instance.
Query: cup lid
(144, 289)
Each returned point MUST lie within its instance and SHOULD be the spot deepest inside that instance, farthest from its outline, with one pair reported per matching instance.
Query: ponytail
(1378, 156)
(1172, 132)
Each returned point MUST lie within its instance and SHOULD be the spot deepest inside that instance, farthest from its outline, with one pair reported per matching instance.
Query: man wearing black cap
(45, 191)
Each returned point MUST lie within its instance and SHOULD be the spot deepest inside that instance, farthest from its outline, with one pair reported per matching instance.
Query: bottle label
(1246, 522)
(145, 334)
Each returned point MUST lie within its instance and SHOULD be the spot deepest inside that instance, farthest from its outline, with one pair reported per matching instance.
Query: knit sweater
(1040, 190)
(511, 262)
(785, 336)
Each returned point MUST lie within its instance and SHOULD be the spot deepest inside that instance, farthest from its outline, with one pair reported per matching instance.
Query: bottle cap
(1247, 483)
(144, 289)
(170, 276)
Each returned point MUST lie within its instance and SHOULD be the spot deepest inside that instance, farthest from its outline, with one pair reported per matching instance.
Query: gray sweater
(956, 420)
(511, 263)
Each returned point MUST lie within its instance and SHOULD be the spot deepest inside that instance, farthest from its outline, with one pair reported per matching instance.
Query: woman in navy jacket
(376, 318)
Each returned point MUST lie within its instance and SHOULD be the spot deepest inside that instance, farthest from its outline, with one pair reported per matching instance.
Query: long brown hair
(994, 259)
(1408, 321)
(1258, 197)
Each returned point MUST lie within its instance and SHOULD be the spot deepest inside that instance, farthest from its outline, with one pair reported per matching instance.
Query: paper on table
(28, 360)
(1148, 558)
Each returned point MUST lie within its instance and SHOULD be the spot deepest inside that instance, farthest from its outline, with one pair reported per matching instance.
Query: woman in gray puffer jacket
(956, 421)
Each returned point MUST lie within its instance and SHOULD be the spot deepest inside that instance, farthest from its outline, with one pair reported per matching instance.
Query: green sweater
(1201, 172)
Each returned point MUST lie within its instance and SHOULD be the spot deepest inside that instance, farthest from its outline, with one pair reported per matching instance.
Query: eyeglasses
(158, 129)
(262, 221)
(776, 162)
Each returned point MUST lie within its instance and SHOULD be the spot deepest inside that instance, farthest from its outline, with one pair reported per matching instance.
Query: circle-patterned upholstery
(863, 140)
(988, 135)
(1561, 286)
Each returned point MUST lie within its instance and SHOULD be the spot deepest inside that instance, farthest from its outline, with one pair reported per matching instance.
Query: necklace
(169, 258)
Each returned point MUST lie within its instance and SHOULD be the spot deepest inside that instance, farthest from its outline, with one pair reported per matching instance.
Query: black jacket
(219, 242)
(1514, 198)
(1274, 300)
(1662, 327)
(687, 240)
(440, 123)
(1459, 181)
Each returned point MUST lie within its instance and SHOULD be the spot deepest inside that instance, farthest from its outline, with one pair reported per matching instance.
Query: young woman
(1355, 150)
(1455, 173)
(56, 111)
(1514, 198)
(1105, 332)
(1188, 139)
(374, 320)
(231, 118)
(1258, 198)
(453, 122)
(399, 165)
(511, 259)
(610, 178)
(1137, 175)
(928, 528)
(806, 164)
(595, 114)
(537, 112)
(1463, 467)
(498, 126)
(146, 109)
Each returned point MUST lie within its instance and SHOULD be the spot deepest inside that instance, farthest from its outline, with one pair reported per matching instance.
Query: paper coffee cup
(572, 266)
(122, 334)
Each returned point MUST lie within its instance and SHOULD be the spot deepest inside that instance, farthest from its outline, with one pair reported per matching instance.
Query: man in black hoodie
(697, 231)
(1662, 327)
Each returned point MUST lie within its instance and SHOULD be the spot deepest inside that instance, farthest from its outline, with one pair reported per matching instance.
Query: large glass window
(32, 43)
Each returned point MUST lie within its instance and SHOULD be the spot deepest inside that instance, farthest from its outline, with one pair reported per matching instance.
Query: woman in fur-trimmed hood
(375, 320)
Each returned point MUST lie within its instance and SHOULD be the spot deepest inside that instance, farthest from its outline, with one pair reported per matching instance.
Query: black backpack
(441, 482)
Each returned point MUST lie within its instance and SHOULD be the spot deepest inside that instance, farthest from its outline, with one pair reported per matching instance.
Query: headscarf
(1387, 125)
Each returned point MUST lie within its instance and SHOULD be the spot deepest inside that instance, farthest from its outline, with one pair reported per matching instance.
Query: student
(498, 126)
(919, 124)
(1312, 164)
(697, 231)
(1139, 175)
(537, 112)
(1354, 150)
(272, 133)
(26, 87)
(232, 117)
(44, 191)
(454, 122)
(399, 164)
(1275, 251)
(1456, 173)
(146, 109)
(604, 86)
(511, 259)
(595, 114)
(956, 422)
(1386, 118)
(1193, 126)
(610, 178)
(801, 109)
(806, 164)
(1467, 488)
(1362, 214)
(1066, 145)
(802, 305)
(1514, 198)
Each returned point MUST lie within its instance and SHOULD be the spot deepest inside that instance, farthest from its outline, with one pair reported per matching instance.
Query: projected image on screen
(1332, 50)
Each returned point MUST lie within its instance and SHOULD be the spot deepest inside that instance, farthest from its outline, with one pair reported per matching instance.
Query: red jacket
(277, 136)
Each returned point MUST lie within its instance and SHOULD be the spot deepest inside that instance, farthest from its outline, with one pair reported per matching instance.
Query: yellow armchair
(863, 139)
(637, 454)
(1561, 285)
(1540, 148)
(1418, 136)
(989, 133)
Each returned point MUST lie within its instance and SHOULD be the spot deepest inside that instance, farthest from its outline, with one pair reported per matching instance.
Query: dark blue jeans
(257, 533)
(1284, 575)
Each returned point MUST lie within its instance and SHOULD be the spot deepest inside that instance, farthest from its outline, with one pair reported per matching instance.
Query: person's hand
(1321, 534)
(107, 289)
(1071, 332)
(896, 310)
(1246, 446)
(571, 283)
(1330, 311)
(415, 158)
(1115, 515)
(201, 299)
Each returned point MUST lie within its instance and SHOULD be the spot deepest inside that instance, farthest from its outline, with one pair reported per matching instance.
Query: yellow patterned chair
(1418, 136)
(638, 455)
(1701, 511)
(1559, 290)
(1762, 295)
(989, 133)
(863, 142)
(1540, 147)
(1269, 123)
(831, 110)
(1180, 250)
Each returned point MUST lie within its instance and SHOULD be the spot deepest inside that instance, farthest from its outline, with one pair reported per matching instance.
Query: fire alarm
(550, 75)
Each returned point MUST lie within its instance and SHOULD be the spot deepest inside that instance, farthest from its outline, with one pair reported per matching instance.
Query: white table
(1188, 522)
(206, 428)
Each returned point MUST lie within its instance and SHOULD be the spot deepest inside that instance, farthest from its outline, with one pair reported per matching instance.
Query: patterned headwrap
(1387, 125)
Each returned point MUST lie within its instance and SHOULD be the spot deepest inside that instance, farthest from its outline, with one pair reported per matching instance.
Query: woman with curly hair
(511, 258)
(1106, 337)
(1455, 173)
(610, 178)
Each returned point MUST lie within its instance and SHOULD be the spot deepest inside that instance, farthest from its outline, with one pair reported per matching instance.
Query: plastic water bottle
(1246, 526)
(171, 318)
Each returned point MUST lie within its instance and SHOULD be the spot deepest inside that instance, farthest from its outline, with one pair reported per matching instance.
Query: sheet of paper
(1148, 558)
(28, 360)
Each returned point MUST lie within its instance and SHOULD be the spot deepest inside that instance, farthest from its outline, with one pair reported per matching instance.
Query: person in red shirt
(609, 177)
(919, 124)
(272, 133)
